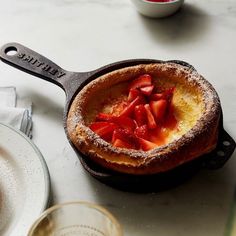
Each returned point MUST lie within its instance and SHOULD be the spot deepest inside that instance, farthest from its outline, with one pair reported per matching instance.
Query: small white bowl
(157, 9)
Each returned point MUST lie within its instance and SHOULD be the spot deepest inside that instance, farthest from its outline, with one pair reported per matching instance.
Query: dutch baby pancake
(145, 119)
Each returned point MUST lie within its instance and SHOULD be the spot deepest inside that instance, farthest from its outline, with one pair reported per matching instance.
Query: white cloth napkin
(15, 112)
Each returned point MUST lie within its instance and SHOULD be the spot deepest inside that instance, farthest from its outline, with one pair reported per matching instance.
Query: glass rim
(83, 203)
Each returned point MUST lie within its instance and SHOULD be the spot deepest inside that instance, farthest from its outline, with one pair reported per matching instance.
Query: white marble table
(81, 35)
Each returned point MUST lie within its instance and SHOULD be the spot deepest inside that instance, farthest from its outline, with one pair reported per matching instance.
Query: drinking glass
(76, 219)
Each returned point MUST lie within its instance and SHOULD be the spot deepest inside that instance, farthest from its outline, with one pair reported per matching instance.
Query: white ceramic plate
(24, 182)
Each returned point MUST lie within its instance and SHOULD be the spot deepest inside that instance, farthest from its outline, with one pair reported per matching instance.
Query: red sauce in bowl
(159, 0)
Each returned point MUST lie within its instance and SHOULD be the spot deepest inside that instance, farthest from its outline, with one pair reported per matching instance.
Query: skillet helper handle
(224, 150)
(33, 63)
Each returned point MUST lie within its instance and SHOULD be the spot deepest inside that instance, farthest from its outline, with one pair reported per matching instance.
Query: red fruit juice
(159, 0)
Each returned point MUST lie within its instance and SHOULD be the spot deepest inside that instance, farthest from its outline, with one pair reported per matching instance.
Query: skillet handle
(33, 63)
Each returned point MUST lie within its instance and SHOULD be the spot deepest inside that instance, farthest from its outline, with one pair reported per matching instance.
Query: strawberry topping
(133, 93)
(144, 122)
(124, 135)
(146, 145)
(125, 122)
(141, 81)
(142, 132)
(104, 117)
(150, 118)
(158, 109)
(122, 144)
(147, 90)
(103, 129)
(140, 115)
(130, 108)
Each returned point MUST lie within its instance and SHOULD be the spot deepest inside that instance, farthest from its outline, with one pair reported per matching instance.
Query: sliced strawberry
(169, 94)
(140, 115)
(141, 81)
(170, 121)
(125, 122)
(121, 121)
(130, 108)
(137, 124)
(157, 96)
(166, 94)
(122, 144)
(142, 132)
(147, 90)
(150, 119)
(146, 145)
(104, 117)
(133, 93)
(103, 129)
(125, 135)
(158, 109)
(158, 136)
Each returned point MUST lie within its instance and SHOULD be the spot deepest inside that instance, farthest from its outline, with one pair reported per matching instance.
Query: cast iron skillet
(33, 63)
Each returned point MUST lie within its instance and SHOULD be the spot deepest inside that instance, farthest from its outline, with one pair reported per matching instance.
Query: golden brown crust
(201, 138)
